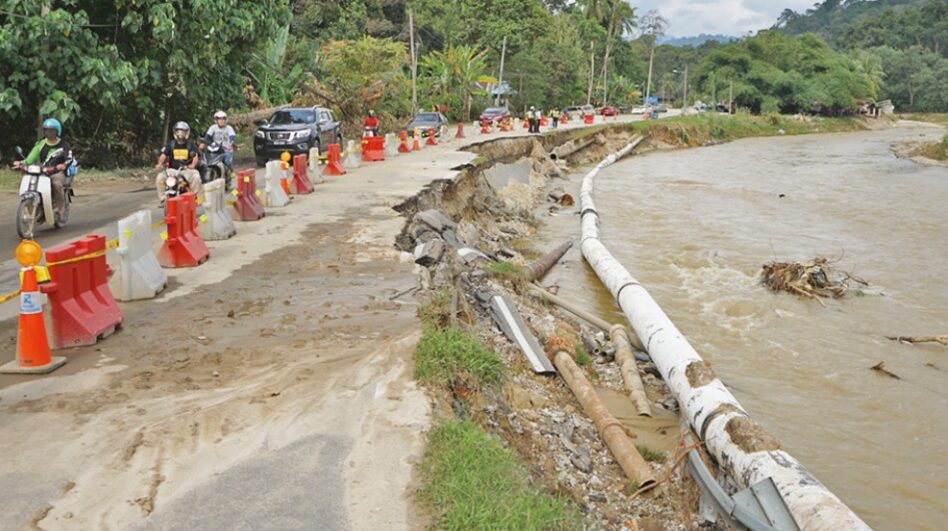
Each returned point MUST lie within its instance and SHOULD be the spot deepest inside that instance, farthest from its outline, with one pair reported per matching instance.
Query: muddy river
(695, 226)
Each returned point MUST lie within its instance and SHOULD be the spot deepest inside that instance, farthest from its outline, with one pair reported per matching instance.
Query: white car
(640, 110)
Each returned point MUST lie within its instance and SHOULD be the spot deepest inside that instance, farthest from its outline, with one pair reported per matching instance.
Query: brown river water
(694, 226)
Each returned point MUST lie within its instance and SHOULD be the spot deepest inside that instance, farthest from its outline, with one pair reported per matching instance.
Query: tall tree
(653, 26)
(621, 20)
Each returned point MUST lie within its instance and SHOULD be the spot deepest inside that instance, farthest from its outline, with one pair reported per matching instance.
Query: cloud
(730, 17)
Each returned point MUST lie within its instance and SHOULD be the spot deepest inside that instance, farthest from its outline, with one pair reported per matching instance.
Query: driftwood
(880, 368)
(920, 339)
(814, 279)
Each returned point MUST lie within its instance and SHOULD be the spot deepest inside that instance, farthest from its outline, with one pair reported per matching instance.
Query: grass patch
(650, 455)
(930, 117)
(504, 269)
(434, 311)
(474, 482)
(935, 150)
(582, 357)
(444, 352)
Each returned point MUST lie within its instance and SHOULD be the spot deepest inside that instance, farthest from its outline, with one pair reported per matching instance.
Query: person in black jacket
(181, 155)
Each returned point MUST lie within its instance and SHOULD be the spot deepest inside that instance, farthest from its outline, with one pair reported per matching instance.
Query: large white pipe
(743, 448)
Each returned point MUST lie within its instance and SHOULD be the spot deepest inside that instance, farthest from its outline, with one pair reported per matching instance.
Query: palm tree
(621, 20)
(653, 27)
(456, 70)
(870, 66)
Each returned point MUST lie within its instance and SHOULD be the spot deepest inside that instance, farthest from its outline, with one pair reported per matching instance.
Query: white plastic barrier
(391, 145)
(315, 169)
(353, 158)
(215, 223)
(137, 272)
(274, 194)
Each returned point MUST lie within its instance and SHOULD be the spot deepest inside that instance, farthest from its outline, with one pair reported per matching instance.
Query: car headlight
(300, 134)
(260, 134)
(170, 181)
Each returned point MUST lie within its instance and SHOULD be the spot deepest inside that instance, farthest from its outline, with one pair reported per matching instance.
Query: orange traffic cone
(283, 182)
(32, 347)
(431, 138)
(460, 133)
(403, 145)
(415, 145)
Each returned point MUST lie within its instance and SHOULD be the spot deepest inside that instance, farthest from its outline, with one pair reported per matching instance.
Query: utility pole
(714, 93)
(685, 98)
(414, 62)
(592, 68)
(730, 98)
(500, 79)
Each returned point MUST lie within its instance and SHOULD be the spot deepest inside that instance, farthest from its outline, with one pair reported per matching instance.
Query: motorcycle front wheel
(26, 214)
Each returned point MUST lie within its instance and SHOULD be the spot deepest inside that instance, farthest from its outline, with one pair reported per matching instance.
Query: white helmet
(220, 114)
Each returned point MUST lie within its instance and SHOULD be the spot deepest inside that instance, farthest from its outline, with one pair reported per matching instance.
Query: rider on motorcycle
(371, 124)
(54, 154)
(182, 157)
(223, 134)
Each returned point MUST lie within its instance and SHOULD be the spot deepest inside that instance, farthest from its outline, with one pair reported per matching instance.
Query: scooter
(369, 132)
(36, 197)
(213, 167)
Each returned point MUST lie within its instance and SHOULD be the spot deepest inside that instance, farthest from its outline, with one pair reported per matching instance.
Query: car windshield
(427, 117)
(495, 110)
(293, 117)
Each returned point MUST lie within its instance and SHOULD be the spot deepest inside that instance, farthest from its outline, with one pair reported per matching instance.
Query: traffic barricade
(301, 182)
(273, 192)
(351, 160)
(403, 143)
(416, 140)
(183, 246)
(82, 308)
(247, 206)
(373, 149)
(391, 145)
(216, 222)
(138, 275)
(431, 138)
(588, 118)
(315, 169)
(333, 162)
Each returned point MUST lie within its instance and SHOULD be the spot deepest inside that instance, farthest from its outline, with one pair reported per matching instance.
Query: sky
(728, 17)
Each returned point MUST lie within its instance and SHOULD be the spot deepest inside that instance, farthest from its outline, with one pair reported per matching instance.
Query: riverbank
(497, 206)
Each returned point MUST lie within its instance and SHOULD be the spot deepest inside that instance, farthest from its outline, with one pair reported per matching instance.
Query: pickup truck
(296, 130)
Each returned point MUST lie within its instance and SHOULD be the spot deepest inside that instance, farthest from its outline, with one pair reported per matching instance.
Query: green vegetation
(443, 353)
(582, 357)
(935, 150)
(650, 455)
(940, 119)
(473, 482)
(434, 311)
(504, 269)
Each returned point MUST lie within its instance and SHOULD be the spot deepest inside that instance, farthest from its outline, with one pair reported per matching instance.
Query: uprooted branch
(920, 339)
(814, 279)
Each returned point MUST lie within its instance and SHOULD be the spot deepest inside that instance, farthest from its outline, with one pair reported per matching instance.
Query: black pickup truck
(296, 130)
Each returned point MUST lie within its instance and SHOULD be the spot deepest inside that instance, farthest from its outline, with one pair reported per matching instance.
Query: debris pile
(814, 279)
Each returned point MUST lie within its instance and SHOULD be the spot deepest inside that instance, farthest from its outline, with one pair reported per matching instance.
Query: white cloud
(730, 17)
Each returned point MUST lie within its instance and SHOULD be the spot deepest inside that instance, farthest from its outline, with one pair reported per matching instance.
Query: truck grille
(279, 136)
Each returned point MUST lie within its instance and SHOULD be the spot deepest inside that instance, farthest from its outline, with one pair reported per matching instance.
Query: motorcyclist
(54, 154)
(371, 124)
(223, 134)
(181, 154)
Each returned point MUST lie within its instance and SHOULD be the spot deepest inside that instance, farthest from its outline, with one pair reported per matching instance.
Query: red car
(495, 114)
(608, 111)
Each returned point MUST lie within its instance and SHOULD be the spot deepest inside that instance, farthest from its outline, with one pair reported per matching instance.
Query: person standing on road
(223, 134)
(54, 154)
(182, 157)
(555, 117)
(533, 120)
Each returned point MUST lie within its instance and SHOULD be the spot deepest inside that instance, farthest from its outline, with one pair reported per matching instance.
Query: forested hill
(862, 23)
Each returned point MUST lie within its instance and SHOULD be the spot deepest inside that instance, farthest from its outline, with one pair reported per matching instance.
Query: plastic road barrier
(138, 274)
(431, 138)
(315, 170)
(216, 222)
(334, 164)
(81, 304)
(301, 182)
(183, 246)
(588, 119)
(352, 159)
(274, 195)
(373, 149)
(460, 132)
(247, 206)
(391, 145)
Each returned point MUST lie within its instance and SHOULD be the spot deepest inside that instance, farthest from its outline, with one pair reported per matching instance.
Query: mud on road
(303, 346)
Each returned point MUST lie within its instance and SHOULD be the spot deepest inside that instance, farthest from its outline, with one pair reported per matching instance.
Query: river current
(694, 226)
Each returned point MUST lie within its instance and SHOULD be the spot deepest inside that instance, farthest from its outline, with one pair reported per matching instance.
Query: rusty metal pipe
(611, 431)
(537, 268)
(598, 322)
(629, 370)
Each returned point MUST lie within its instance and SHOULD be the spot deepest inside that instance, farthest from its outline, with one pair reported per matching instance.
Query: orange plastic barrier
(183, 247)
(334, 162)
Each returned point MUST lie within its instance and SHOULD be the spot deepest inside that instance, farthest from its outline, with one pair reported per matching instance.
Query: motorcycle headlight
(34, 168)
(259, 134)
(170, 181)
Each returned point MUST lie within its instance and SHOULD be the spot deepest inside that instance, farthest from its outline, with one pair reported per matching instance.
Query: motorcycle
(213, 167)
(369, 132)
(36, 197)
